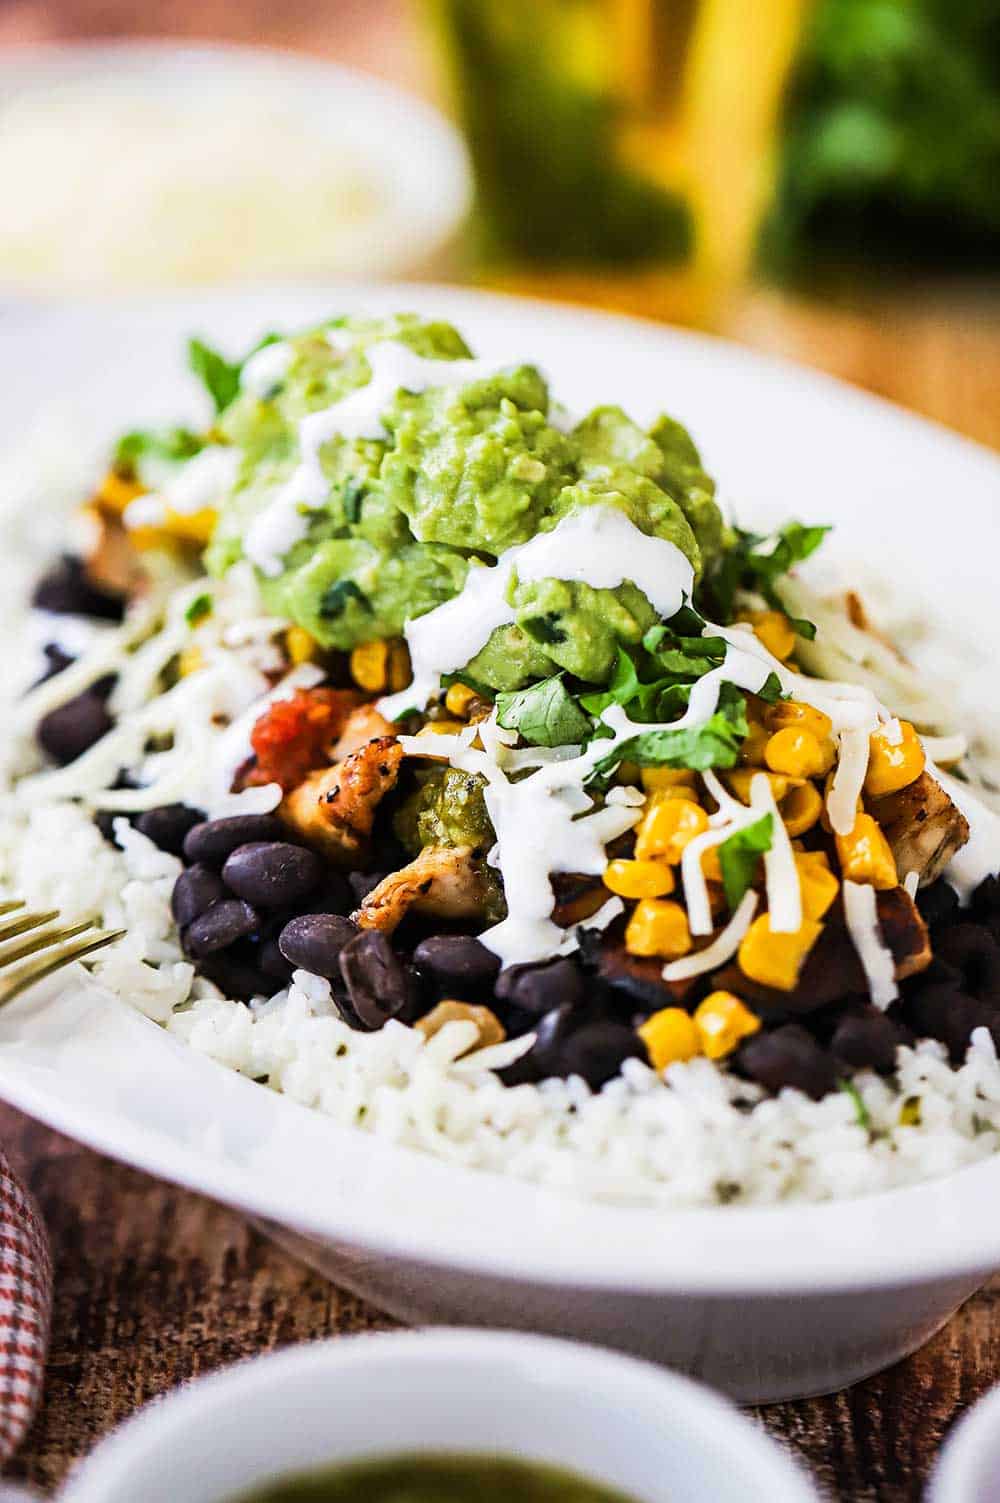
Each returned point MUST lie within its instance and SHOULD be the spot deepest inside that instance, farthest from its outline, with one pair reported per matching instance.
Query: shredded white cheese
(848, 780)
(781, 875)
(722, 948)
(861, 914)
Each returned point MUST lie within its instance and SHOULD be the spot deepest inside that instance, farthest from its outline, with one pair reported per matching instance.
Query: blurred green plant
(891, 137)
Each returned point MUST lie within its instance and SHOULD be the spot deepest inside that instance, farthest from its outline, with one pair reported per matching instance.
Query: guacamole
(458, 471)
(433, 1478)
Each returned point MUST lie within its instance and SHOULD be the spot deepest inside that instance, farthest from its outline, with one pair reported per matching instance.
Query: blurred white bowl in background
(150, 165)
(651, 1434)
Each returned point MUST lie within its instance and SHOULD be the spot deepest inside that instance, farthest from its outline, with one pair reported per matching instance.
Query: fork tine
(10, 953)
(11, 905)
(25, 921)
(53, 959)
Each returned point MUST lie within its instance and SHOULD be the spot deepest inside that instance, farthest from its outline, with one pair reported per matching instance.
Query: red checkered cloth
(25, 1308)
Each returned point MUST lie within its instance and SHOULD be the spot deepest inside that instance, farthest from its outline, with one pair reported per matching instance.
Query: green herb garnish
(200, 607)
(739, 857)
(219, 376)
(171, 444)
(544, 714)
(335, 600)
(860, 1110)
(754, 562)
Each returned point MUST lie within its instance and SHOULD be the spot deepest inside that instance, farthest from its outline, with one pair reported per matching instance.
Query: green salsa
(436, 1479)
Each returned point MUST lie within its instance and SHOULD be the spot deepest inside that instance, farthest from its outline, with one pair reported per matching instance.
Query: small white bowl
(968, 1469)
(649, 1433)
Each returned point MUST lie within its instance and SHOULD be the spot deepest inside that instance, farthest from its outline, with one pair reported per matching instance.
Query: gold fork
(33, 945)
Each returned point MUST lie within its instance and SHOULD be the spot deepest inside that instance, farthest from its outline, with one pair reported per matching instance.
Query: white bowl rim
(932, 1230)
(439, 155)
(162, 1422)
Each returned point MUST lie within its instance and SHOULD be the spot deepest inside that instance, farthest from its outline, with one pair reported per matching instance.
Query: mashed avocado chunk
(399, 503)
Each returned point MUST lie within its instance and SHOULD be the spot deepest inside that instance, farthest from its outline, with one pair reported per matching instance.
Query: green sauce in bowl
(436, 1479)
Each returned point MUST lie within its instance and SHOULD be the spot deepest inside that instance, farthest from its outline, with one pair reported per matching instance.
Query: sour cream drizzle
(197, 485)
(394, 367)
(595, 545)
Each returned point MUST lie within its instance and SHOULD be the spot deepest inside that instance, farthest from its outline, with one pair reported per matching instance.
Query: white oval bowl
(655, 1436)
(414, 158)
(968, 1470)
(767, 1302)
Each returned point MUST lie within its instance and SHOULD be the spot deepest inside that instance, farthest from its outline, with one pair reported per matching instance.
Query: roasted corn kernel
(669, 1036)
(116, 491)
(628, 774)
(798, 754)
(722, 1020)
(300, 645)
(891, 767)
(774, 630)
(190, 661)
(441, 728)
(805, 717)
(801, 808)
(865, 855)
(738, 780)
(458, 699)
(639, 879)
(752, 750)
(776, 959)
(370, 666)
(658, 927)
(656, 779)
(710, 864)
(818, 884)
(668, 826)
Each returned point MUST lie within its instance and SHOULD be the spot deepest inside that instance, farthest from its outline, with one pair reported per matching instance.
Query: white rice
(693, 1137)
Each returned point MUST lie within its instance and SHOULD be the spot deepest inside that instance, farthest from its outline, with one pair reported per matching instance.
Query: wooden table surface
(155, 1285)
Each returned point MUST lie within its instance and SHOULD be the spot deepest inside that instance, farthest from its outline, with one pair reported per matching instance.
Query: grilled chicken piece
(363, 724)
(444, 881)
(578, 898)
(334, 809)
(922, 825)
(832, 970)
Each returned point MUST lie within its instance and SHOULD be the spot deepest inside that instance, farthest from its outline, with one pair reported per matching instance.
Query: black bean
(68, 731)
(375, 980)
(542, 1059)
(539, 988)
(219, 926)
(985, 902)
(333, 895)
(66, 591)
(937, 903)
(945, 1013)
(168, 825)
(868, 1039)
(313, 942)
(362, 883)
(56, 660)
(597, 1051)
(272, 963)
(195, 891)
(235, 974)
(973, 950)
(457, 960)
(212, 841)
(789, 1057)
(272, 873)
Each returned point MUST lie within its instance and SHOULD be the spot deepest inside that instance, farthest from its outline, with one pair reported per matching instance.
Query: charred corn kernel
(400, 671)
(776, 959)
(669, 824)
(865, 855)
(442, 728)
(773, 629)
(656, 779)
(721, 1021)
(116, 491)
(893, 767)
(458, 699)
(491, 1030)
(710, 864)
(801, 808)
(669, 1036)
(370, 666)
(909, 1112)
(639, 879)
(190, 660)
(818, 884)
(628, 774)
(658, 927)
(190, 527)
(798, 754)
(300, 645)
(794, 713)
(738, 780)
(752, 750)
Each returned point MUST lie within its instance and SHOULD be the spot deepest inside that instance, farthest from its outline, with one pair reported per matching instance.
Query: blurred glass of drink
(623, 149)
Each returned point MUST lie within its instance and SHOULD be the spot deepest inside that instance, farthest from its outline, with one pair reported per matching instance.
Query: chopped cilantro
(171, 444)
(716, 743)
(336, 598)
(860, 1110)
(544, 714)
(740, 855)
(353, 495)
(754, 562)
(200, 607)
(219, 376)
(545, 629)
